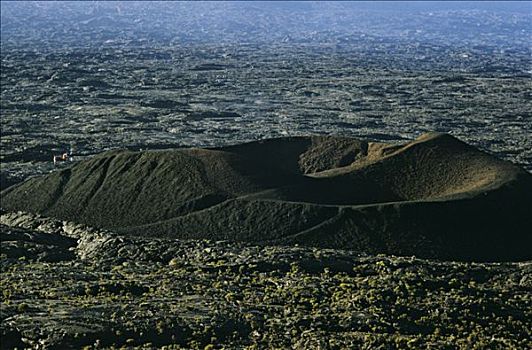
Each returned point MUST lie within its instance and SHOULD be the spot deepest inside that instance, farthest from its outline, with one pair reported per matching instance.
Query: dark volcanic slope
(433, 197)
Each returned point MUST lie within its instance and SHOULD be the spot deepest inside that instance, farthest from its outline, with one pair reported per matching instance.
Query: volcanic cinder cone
(434, 197)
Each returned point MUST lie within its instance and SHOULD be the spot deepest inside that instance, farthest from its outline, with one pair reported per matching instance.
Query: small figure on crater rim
(62, 158)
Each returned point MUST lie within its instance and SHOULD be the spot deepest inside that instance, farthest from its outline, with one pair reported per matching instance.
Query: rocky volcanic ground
(91, 100)
(110, 76)
(95, 76)
(69, 286)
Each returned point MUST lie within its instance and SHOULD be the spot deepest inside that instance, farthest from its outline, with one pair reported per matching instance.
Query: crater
(434, 197)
